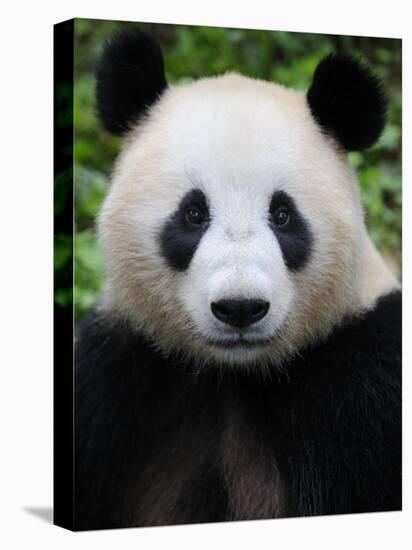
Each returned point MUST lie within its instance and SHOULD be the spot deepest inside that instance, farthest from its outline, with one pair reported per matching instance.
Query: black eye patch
(294, 235)
(183, 231)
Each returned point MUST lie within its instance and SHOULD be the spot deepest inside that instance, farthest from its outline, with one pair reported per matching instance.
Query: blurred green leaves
(91, 186)
(193, 52)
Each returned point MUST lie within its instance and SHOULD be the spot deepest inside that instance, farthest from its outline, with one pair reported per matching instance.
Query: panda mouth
(238, 343)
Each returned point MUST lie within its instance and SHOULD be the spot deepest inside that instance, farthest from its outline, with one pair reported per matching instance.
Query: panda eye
(194, 216)
(281, 216)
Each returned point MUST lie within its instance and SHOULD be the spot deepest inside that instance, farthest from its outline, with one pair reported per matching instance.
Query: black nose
(239, 313)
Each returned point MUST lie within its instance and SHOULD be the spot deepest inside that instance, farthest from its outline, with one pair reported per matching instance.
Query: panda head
(233, 230)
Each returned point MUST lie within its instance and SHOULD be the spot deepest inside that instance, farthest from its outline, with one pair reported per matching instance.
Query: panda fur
(182, 417)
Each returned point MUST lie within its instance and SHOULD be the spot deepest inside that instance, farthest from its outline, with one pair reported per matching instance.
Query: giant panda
(244, 360)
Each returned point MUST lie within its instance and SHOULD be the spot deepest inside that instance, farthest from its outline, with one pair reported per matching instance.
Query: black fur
(156, 444)
(130, 78)
(295, 238)
(347, 100)
(179, 239)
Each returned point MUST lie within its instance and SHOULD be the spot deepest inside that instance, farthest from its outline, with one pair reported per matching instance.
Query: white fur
(238, 140)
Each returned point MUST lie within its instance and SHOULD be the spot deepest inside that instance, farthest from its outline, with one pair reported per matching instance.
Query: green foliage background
(193, 52)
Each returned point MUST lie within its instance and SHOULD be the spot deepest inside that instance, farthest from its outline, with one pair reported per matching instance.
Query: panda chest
(255, 489)
(216, 462)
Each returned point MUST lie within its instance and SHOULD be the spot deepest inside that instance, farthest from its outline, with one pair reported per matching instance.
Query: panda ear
(347, 100)
(130, 78)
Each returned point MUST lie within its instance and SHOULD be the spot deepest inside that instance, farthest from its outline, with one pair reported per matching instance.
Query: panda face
(233, 230)
(236, 249)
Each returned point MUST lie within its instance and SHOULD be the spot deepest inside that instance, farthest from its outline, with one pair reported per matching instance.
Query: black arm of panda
(341, 419)
(146, 433)
(109, 400)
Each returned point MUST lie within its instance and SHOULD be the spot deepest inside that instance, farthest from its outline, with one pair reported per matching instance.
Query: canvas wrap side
(63, 425)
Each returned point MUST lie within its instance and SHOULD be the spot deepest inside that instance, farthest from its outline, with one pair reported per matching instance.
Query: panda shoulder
(369, 344)
(379, 328)
(108, 349)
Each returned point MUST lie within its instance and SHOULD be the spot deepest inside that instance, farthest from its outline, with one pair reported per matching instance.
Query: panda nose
(239, 313)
